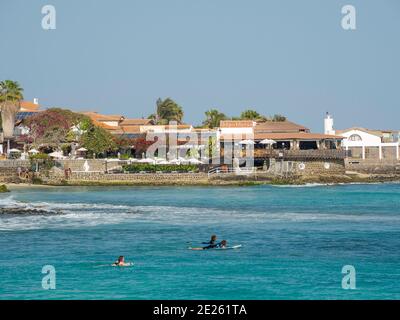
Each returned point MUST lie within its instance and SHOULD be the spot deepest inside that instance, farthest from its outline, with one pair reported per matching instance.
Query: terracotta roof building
(279, 126)
(110, 120)
(28, 106)
(27, 109)
(237, 124)
(136, 122)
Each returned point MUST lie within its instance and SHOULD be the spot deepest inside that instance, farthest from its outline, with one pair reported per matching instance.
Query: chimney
(328, 125)
(35, 100)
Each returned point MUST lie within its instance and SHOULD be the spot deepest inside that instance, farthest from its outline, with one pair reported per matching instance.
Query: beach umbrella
(146, 160)
(267, 141)
(163, 162)
(189, 146)
(175, 161)
(82, 149)
(56, 154)
(249, 142)
(14, 150)
(34, 151)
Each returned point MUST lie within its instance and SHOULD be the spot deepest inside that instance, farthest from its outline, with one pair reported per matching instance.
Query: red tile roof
(168, 127)
(102, 117)
(136, 122)
(279, 126)
(104, 125)
(378, 133)
(281, 136)
(29, 106)
(130, 129)
(295, 136)
(236, 123)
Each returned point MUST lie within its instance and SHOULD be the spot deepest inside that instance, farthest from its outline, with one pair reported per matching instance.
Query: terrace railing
(230, 170)
(301, 154)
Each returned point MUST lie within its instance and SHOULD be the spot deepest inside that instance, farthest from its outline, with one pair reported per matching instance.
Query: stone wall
(9, 169)
(8, 174)
(308, 167)
(372, 153)
(15, 164)
(128, 178)
(79, 165)
(91, 165)
(373, 166)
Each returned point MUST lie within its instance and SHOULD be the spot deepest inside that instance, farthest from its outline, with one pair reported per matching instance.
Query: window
(355, 137)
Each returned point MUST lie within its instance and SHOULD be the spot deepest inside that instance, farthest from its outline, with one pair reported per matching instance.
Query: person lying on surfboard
(121, 262)
(221, 245)
(213, 241)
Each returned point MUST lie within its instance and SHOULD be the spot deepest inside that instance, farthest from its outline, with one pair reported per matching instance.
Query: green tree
(252, 115)
(11, 95)
(213, 118)
(97, 140)
(278, 118)
(212, 147)
(167, 110)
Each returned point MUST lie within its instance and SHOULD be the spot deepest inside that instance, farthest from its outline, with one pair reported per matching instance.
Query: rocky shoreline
(231, 180)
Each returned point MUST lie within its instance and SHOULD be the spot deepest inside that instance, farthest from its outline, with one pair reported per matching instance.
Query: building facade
(367, 144)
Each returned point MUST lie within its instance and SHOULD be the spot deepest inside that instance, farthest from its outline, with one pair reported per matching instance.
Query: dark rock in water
(27, 211)
(3, 188)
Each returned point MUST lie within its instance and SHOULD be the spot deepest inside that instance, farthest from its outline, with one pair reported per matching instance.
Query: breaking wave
(19, 215)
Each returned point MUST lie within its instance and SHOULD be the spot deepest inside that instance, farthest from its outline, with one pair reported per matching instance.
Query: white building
(367, 144)
(236, 129)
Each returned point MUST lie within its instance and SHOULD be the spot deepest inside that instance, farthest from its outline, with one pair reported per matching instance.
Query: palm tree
(213, 118)
(278, 118)
(10, 98)
(167, 110)
(252, 115)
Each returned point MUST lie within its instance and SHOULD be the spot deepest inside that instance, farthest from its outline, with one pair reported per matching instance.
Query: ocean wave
(19, 215)
(320, 184)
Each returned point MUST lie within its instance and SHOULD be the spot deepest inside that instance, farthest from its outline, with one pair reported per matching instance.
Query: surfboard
(128, 264)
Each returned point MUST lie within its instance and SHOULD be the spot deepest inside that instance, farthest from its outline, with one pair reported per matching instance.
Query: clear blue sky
(281, 56)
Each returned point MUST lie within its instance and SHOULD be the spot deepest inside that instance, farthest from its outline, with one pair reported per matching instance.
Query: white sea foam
(316, 184)
(52, 215)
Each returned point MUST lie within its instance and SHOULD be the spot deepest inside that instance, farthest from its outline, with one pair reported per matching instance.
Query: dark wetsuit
(212, 245)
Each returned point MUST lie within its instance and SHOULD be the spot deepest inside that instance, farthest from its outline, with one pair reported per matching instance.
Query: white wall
(368, 140)
(111, 123)
(236, 130)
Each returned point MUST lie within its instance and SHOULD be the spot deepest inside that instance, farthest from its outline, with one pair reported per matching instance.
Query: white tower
(328, 124)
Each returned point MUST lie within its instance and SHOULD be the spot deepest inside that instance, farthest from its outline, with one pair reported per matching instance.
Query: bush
(39, 156)
(3, 188)
(36, 180)
(138, 167)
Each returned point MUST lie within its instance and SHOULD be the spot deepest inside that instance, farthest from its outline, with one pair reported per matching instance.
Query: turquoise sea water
(295, 242)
